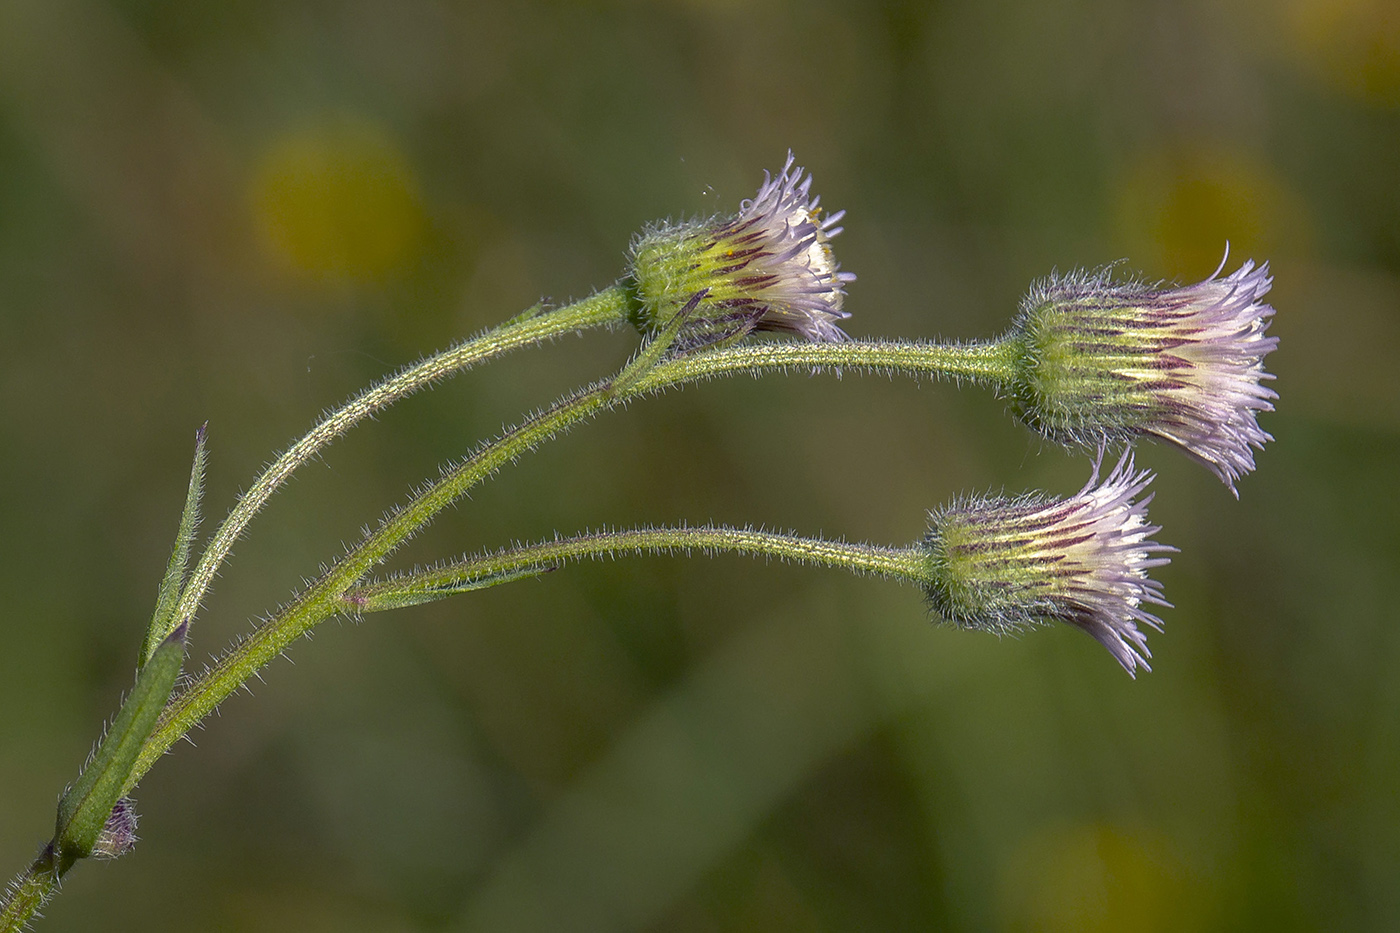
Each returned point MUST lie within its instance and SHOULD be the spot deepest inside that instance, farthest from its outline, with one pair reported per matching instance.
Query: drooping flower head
(1106, 362)
(770, 268)
(1002, 564)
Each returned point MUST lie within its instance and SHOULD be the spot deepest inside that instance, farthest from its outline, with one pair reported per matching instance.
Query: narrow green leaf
(414, 591)
(163, 620)
(86, 806)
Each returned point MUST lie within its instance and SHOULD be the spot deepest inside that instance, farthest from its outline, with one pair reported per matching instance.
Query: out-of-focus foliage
(243, 211)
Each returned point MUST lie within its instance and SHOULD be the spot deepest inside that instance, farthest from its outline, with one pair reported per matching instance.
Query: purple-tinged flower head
(1003, 565)
(768, 268)
(1105, 362)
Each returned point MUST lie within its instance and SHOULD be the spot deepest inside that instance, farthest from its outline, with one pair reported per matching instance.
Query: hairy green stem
(29, 892)
(610, 306)
(903, 564)
(990, 362)
(323, 599)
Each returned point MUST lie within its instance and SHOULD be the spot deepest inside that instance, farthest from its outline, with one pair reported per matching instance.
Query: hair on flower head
(1105, 362)
(1002, 564)
(769, 267)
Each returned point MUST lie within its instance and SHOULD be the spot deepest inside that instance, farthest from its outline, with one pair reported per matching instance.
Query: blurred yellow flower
(1091, 877)
(1177, 208)
(337, 203)
(1353, 45)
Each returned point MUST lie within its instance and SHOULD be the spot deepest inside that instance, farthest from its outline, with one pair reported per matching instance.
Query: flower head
(1004, 564)
(770, 267)
(1106, 362)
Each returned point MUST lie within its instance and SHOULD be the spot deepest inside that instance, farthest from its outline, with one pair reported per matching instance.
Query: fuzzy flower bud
(770, 267)
(118, 835)
(1106, 362)
(1003, 564)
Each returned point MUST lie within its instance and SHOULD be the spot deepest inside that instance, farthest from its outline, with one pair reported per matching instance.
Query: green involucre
(1088, 368)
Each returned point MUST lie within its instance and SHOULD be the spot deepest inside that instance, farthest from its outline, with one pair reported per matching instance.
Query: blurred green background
(245, 211)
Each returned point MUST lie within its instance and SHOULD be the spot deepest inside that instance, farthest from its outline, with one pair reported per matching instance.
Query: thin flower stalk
(902, 564)
(984, 363)
(323, 599)
(610, 306)
(645, 376)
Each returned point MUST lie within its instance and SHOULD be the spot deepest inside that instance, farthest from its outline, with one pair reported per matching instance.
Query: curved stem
(985, 362)
(903, 564)
(610, 306)
(323, 599)
(992, 362)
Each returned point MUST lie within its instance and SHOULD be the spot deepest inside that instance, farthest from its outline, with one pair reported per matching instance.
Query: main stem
(985, 362)
(29, 892)
(610, 306)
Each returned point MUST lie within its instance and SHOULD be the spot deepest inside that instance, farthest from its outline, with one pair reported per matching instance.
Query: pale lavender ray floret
(791, 268)
(1222, 324)
(1003, 564)
(1110, 551)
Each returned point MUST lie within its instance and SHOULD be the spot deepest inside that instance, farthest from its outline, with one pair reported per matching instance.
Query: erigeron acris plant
(1090, 362)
